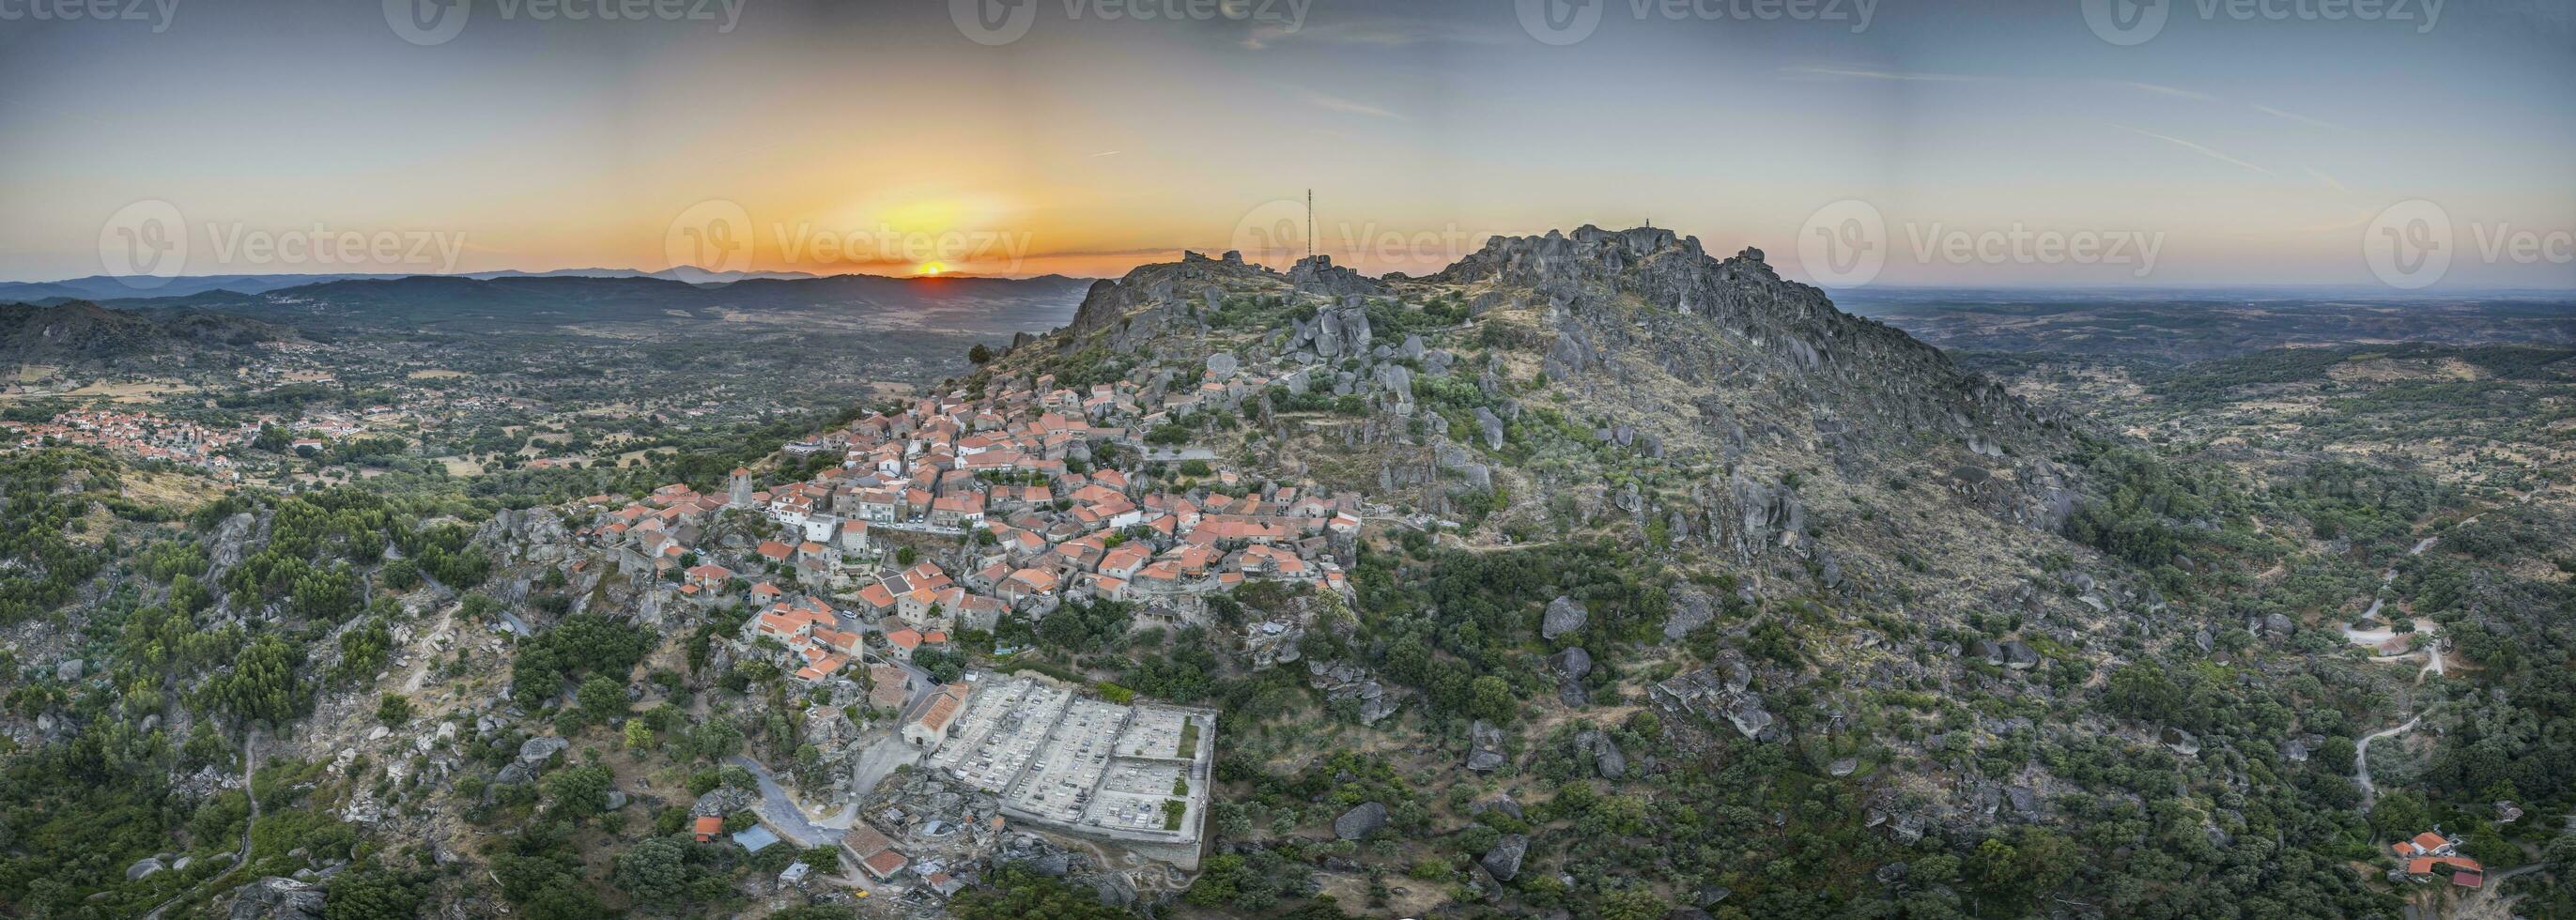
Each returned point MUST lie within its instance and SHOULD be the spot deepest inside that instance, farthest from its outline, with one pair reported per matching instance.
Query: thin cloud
(2157, 89)
(2330, 181)
(1897, 75)
(1107, 153)
(1351, 106)
(2302, 119)
(1371, 33)
(2163, 90)
(2195, 148)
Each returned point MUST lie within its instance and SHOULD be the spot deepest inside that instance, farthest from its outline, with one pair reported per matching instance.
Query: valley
(1224, 590)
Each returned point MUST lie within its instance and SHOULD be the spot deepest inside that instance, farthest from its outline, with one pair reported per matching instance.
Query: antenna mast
(1310, 223)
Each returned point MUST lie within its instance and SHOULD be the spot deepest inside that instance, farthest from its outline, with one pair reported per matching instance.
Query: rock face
(1571, 666)
(1127, 312)
(143, 868)
(1607, 759)
(1485, 748)
(1337, 331)
(1491, 426)
(277, 898)
(1317, 274)
(1504, 860)
(723, 800)
(534, 753)
(1691, 610)
(1564, 615)
(1649, 328)
(1359, 822)
(1710, 694)
(1347, 683)
(2182, 742)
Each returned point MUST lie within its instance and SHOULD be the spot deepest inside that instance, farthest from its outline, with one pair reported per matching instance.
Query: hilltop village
(1053, 497)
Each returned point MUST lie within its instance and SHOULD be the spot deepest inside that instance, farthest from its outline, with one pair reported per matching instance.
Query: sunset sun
(931, 268)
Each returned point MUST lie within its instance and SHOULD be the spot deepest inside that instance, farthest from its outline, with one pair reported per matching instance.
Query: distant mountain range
(114, 287)
(581, 301)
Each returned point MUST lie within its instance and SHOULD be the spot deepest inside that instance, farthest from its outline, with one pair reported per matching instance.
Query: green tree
(2398, 814)
(1490, 699)
(602, 699)
(1018, 894)
(578, 792)
(1633, 904)
(653, 871)
(374, 894)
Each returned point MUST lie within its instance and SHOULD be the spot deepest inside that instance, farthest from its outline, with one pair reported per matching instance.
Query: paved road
(250, 768)
(2361, 758)
(778, 809)
(879, 761)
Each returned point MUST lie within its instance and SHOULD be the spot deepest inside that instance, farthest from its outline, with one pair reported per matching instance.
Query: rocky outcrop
(1359, 822)
(1316, 274)
(1127, 313)
(1349, 684)
(1504, 860)
(1722, 697)
(1607, 759)
(1336, 331)
(1571, 666)
(278, 898)
(534, 754)
(1564, 615)
(1485, 748)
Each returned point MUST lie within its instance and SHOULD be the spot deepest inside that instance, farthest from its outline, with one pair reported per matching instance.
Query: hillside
(1593, 575)
(81, 332)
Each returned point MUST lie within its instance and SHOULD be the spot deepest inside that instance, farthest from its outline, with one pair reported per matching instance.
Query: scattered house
(2423, 853)
(889, 686)
(947, 885)
(904, 641)
(2428, 843)
(873, 852)
(707, 827)
(708, 576)
(2421, 867)
(929, 729)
